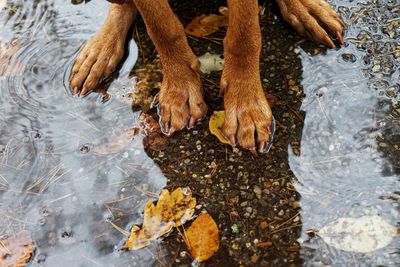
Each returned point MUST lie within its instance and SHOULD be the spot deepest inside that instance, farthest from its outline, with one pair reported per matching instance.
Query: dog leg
(101, 55)
(314, 19)
(180, 98)
(248, 116)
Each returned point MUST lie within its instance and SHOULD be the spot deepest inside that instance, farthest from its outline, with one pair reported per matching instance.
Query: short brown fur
(248, 115)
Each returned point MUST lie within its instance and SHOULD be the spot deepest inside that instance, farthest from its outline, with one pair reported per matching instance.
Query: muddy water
(58, 178)
(71, 176)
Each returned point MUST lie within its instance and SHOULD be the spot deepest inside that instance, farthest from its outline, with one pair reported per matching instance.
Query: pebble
(257, 190)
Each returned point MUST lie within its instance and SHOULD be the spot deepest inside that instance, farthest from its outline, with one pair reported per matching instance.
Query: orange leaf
(202, 238)
(16, 250)
(205, 25)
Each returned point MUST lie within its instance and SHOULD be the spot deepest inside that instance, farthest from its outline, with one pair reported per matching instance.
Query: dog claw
(339, 37)
(192, 122)
(171, 131)
(232, 140)
(329, 42)
(253, 151)
(261, 147)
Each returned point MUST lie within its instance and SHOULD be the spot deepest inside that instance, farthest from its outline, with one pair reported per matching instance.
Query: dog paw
(97, 60)
(248, 116)
(314, 19)
(180, 100)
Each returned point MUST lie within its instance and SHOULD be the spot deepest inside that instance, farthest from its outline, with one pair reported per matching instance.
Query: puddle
(52, 181)
(352, 94)
(58, 181)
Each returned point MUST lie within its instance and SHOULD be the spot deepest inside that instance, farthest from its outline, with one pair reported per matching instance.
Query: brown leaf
(16, 250)
(172, 210)
(273, 101)
(117, 143)
(202, 238)
(151, 130)
(9, 65)
(205, 25)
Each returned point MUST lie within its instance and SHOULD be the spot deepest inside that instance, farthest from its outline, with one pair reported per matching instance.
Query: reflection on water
(342, 170)
(52, 180)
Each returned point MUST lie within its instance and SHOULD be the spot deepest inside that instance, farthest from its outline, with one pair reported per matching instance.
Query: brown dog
(248, 115)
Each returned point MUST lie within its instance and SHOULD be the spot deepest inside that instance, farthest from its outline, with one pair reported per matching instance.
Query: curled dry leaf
(151, 130)
(202, 238)
(172, 210)
(211, 62)
(364, 234)
(215, 123)
(205, 25)
(16, 250)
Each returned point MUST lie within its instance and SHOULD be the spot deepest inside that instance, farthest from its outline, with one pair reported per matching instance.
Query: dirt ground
(251, 198)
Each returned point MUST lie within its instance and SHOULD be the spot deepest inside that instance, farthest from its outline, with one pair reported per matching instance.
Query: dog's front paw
(97, 60)
(248, 116)
(181, 98)
(314, 19)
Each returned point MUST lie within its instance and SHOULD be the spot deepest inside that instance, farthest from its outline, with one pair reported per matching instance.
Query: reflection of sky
(340, 170)
(52, 186)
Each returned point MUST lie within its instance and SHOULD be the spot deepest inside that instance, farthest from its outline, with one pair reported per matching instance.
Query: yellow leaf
(172, 210)
(215, 124)
(202, 238)
(16, 250)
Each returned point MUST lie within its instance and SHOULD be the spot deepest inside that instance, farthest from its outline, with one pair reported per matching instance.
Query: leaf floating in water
(9, 65)
(215, 124)
(117, 143)
(211, 62)
(202, 238)
(172, 210)
(364, 234)
(3, 3)
(16, 250)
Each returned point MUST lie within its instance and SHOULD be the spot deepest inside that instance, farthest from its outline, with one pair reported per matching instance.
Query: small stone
(257, 190)
(235, 229)
(264, 224)
(255, 258)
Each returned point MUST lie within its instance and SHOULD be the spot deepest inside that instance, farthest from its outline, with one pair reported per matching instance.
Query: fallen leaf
(211, 62)
(202, 238)
(205, 25)
(273, 101)
(172, 210)
(3, 3)
(364, 234)
(9, 65)
(153, 137)
(215, 123)
(16, 250)
(117, 143)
